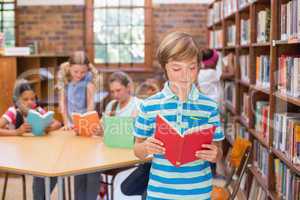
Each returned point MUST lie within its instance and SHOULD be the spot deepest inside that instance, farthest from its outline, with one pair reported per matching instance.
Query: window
(7, 21)
(120, 32)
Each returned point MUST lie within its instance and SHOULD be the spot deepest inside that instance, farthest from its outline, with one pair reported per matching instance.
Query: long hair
(79, 58)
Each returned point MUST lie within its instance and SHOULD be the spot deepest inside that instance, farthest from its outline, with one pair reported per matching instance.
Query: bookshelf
(265, 36)
(38, 69)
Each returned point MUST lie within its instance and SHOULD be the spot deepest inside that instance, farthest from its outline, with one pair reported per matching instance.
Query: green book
(118, 132)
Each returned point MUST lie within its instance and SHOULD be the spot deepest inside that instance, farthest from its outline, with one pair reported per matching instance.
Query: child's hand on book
(24, 128)
(209, 153)
(66, 128)
(154, 146)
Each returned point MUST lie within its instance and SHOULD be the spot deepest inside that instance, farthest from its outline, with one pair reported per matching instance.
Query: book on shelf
(229, 64)
(229, 128)
(256, 191)
(263, 71)
(244, 182)
(288, 76)
(261, 159)
(290, 20)
(216, 39)
(230, 93)
(231, 35)
(287, 135)
(215, 13)
(287, 184)
(245, 68)
(245, 31)
(241, 131)
(229, 7)
(262, 113)
(263, 25)
(17, 51)
(246, 107)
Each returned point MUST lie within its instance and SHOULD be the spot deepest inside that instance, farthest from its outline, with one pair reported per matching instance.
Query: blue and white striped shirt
(189, 181)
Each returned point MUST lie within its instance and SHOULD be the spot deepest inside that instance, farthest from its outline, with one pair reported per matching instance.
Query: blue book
(39, 122)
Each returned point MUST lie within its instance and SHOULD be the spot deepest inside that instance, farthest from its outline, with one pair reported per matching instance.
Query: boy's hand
(66, 128)
(210, 153)
(24, 128)
(154, 146)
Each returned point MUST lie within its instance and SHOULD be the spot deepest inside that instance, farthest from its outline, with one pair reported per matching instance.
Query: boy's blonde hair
(77, 58)
(177, 46)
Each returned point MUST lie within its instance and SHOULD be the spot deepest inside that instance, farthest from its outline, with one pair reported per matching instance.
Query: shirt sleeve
(214, 119)
(10, 115)
(143, 126)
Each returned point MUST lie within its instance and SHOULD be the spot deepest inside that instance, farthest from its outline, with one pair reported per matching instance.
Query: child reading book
(14, 123)
(184, 107)
(77, 82)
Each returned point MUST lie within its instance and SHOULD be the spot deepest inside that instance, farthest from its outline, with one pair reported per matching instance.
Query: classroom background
(258, 42)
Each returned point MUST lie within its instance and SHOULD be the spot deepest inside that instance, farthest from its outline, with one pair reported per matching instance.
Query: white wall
(81, 2)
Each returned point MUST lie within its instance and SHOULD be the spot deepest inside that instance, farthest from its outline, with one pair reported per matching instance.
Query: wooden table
(60, 154)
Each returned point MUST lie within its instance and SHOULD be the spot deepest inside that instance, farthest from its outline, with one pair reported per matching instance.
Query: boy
(184, 107)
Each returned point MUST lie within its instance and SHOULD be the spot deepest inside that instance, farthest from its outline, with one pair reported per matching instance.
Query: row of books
(224, 8)
(245, 31)
(231, 35)
(262, 112)
(289, 76)
(260, 159)
(257, 192)
(216, 39)
(290, 20)
(263, 71)
(287, 184)
(229, 127)
(287, 135)
(263, 25)
(245, 67)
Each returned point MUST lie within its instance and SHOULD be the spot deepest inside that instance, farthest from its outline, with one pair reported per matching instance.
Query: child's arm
(90, 96)
(212, 153)
(54, 126)
(63, 108)
(145, 147)
(17, 132)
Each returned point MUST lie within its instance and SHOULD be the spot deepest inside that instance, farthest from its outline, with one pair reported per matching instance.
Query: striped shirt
(189, 181)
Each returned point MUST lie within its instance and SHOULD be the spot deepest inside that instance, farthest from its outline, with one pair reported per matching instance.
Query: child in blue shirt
(184, 107)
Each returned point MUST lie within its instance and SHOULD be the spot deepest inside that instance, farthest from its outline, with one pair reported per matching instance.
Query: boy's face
(78, 72)
(118, 91)
(182, 72)
(27, 101)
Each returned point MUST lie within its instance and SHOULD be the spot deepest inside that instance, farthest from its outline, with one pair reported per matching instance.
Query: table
(60, 154)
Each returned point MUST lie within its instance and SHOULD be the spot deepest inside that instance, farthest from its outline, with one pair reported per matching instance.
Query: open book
(181, 148)
(118, 132)
(86, 123)
(39, 122)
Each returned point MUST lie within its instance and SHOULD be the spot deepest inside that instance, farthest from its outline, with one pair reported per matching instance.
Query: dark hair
(207, 54)
(19, 89)
(120, 77)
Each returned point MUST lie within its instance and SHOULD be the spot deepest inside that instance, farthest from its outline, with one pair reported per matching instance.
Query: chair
(113, 173)
(239, 159)
(5, 186)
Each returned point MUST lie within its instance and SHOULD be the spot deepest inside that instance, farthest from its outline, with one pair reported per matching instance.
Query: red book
(181, 148)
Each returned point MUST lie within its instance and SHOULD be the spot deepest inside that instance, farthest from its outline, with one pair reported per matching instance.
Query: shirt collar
(168, 93)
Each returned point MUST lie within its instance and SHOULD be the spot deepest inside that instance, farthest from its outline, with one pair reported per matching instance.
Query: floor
(14, 188)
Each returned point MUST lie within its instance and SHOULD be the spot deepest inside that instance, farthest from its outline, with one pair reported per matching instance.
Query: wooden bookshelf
(274, 48)
(28, 67)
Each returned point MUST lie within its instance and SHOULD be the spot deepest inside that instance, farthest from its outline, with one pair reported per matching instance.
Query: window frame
(15, 27)
(89, 41)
